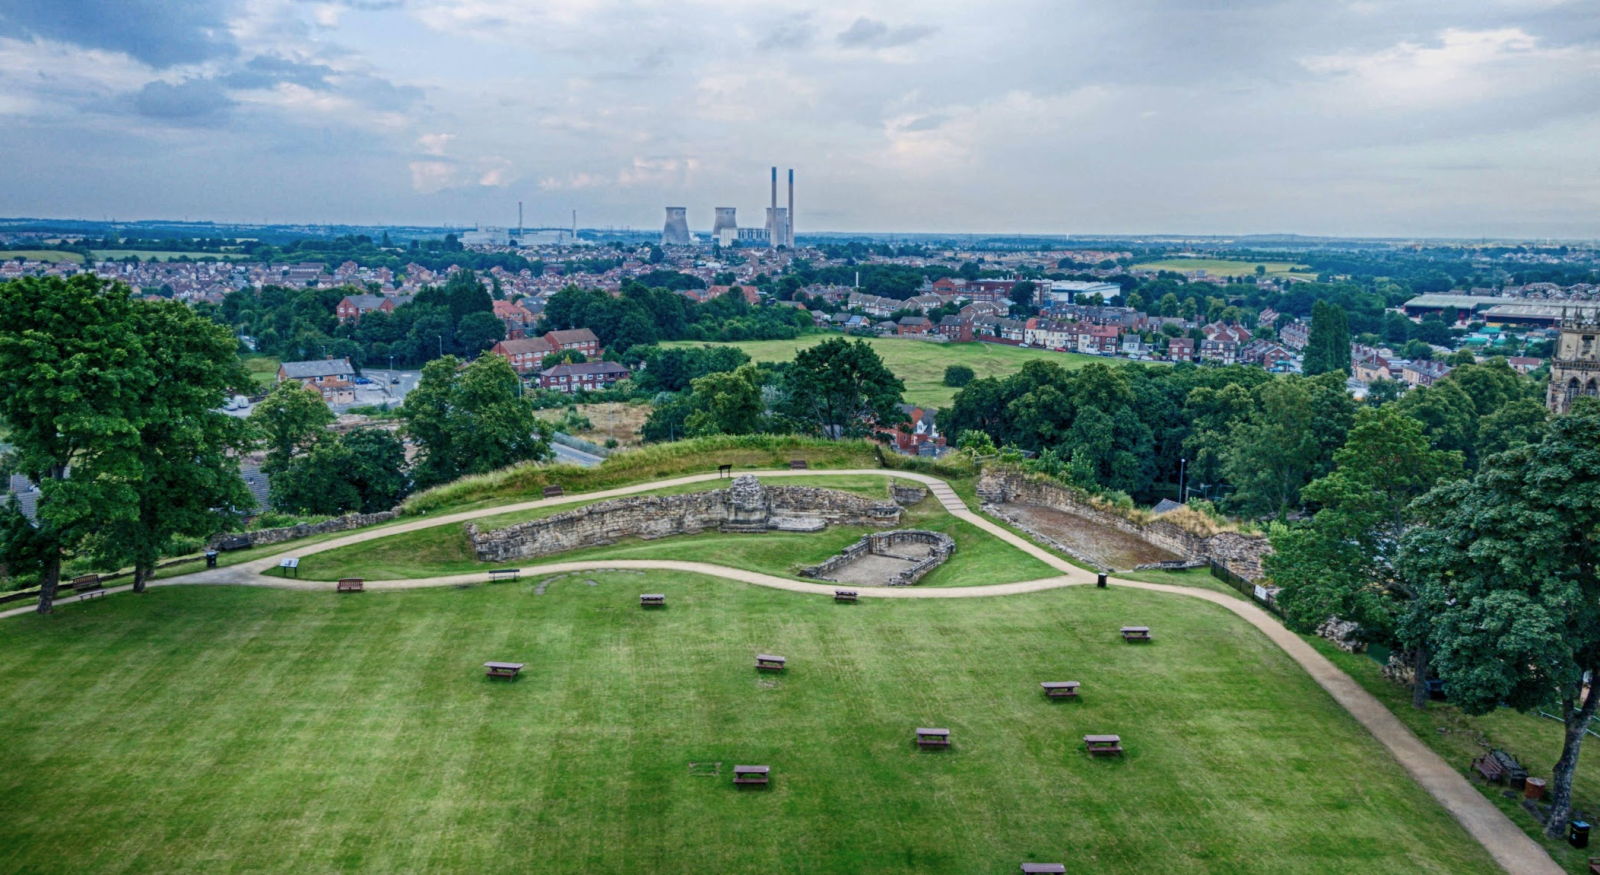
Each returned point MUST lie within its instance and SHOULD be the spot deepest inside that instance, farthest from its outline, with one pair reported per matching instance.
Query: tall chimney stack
(789, 225)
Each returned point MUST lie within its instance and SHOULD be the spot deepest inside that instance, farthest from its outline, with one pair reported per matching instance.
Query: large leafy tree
(1508, 568)
(1328, 343)
(364, 470)
(290, 420)
(74, 376)
(843, 389)
(469, 420)
(1344, 561)
(1286, 440)
(726, 403)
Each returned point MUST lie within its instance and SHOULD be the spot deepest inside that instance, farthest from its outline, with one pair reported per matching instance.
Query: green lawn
(201, 729)
(50, 255)
(263, 369)
(1227, 267)
(919, 363)
(165, 255)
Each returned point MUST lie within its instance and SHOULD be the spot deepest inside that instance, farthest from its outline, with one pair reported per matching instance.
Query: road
(571, 456)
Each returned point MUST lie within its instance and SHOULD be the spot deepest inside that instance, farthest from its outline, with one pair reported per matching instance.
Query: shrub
(957, 376)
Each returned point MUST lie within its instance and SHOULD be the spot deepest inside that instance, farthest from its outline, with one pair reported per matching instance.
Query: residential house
(352, 307)
(331, 377)
(1051, 334)
(526, 354)
(1099, 339)
(1295, 335)
(1269, 355)
(517, 319)
(584, 377)
(949, 285)
(1181, 349)
(956, 328)
(1524, 364)
(580, 339)
(921, 437)
(1424, 372)
(913, 326)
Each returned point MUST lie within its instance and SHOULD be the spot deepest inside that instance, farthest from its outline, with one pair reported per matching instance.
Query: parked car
(362, 381)
(394, 381)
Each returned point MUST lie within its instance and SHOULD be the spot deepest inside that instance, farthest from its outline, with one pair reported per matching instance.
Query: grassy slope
(920, 363)
(165, 255)
(50, 255)
(234, 730)
(1224, 267)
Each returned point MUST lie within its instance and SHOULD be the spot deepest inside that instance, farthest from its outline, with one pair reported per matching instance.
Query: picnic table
(933, 738)
(746, 775)
(553, 492)
(1044, 868)
(1060, 689)
(351, 584)
(844, 595)
(1103, 745)
(768, 662)
(506, 670)
(1136, 633)
(505, 574)
(652, 600)
(724, 471)
(287, 565)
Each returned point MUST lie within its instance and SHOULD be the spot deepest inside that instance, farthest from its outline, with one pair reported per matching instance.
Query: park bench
(1044, 869)
(1497, 766)
(767, 662)
(505, 574)
(724, 471)
(1489, 768)
(1135, 633)
(1594, 866)
(652, 600)
(88, 583)
(553, 492)
(844, 595)
(751, 775)
(799, 465)
(1103, 745)
(234, 542)
(933, 738)
(351, 584)
(287, 565)
(1060, 689)
(505, 670)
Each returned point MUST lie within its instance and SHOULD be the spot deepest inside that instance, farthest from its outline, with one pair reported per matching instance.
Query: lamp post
(1183, 470)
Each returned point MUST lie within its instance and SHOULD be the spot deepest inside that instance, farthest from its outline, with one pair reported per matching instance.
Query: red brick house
(526, 354)
(516, 317)
(333, 378)
(957, 328)
(353, 307)
(913, 326)
(580, 339)
(1181, 349)
(587, 377)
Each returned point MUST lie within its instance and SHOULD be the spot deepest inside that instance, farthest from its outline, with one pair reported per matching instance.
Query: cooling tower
(676, 233)
(724, 222)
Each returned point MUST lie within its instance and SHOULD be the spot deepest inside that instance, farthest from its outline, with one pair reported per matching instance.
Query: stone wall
(905, 494)
(939, 545)
(306, 530)
(739, 508)
(1240, 554)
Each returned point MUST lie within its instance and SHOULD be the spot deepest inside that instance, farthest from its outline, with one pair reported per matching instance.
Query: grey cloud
(192, 101)
(160, 33)
(795, 32)
(868, 33)
(265, 71)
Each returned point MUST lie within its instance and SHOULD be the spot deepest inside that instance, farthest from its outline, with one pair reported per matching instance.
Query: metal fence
(1224, 574)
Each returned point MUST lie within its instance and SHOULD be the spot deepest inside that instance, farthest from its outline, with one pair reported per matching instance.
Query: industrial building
(676, 232)
(725, 230)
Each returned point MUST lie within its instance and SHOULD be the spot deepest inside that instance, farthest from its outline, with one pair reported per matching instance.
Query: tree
(1510, 585)
(363, 471)
(479, 331)
(469, 420)
(1518, 422)
(1343, 562)
(1328, 343)
(958, 376)
(844, 389)
(290, 420)
(74, 375)
(726, 403)
(1022, 296)
(1287, 440)
(563, 357)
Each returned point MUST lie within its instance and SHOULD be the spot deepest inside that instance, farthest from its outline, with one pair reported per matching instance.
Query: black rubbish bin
(1101, 581)
(211, 559)
(1578, 834)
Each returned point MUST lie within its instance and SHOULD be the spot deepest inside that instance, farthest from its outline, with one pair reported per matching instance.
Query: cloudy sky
(1422, 117)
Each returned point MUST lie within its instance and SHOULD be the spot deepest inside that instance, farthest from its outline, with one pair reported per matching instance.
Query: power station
(725, 230)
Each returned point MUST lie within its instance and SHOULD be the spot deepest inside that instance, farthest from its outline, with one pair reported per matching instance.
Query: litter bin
(1578, 834)
(1534, 788)
(1101, 581)
(211, 559)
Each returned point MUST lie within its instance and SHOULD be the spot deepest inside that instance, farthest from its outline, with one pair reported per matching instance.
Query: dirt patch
(615, 419)
(871, 570)
(1103, 545)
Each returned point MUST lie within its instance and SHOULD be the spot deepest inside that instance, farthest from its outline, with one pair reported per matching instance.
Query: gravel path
(1511, 848)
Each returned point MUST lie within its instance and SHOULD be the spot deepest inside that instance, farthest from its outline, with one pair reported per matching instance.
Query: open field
(1227, 267)
(227, 729)
(50, 255)
(165, 255)
(263, 369)
(920, 363)
(611, 419)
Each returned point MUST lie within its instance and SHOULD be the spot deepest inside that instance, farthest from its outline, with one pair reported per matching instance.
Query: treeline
(641, 315)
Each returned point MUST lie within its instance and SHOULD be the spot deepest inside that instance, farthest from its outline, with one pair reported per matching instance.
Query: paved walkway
(1511, 848)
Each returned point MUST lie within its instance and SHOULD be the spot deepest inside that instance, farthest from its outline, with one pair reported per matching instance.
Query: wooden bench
(724, 471)
(1489, 768)
(751, 775)
(933, 738)
(799, 465)
(1136, 633)
(768, 662)
(505, 574)
(652, 600)
(1060, 689)
(87, 584)
(1103, 745)
(351, 584)
(844, 595)
(1594, 866)
(553, 492)
(1044, 868)
(287, 565)
(506, 670)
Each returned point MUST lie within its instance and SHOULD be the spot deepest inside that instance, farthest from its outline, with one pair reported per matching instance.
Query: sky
(1443, 118)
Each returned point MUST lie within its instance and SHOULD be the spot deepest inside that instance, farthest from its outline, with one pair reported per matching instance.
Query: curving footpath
(1505, 841)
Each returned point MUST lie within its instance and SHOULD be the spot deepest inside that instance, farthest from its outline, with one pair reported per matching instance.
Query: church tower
(1575, 367)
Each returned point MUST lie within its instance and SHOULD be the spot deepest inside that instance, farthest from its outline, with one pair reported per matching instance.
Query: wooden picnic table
(751, 774)
(724, 471)
(652, 600)
(506, 670)
(844, 595)
(1044, 868)
(351, 584)
(768, 662)
(1103, 745)
(505, 574)
(933, 738)
(1060, 689)
(1136, 633)
(288, 565)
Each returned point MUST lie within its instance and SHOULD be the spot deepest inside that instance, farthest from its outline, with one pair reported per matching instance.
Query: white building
(1069, 291)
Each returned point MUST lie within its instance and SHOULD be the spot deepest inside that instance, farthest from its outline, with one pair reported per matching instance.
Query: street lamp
(1183, 470)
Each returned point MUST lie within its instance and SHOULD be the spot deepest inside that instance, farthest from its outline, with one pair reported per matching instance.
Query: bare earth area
(872, 569)
(1103, 545)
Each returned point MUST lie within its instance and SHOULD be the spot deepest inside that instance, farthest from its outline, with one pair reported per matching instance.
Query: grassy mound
(220, 729)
